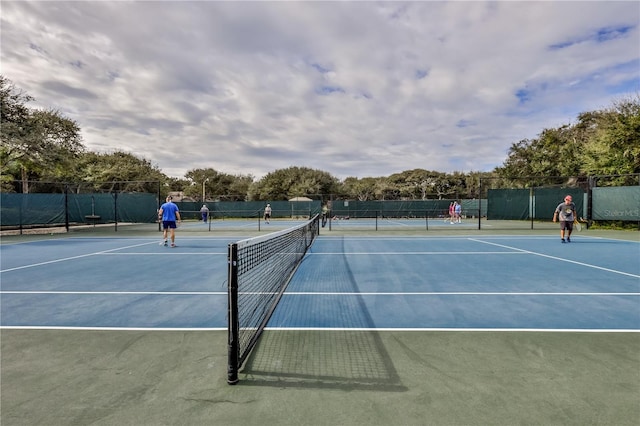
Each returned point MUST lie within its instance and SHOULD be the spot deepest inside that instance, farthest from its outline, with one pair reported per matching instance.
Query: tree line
(43, 150)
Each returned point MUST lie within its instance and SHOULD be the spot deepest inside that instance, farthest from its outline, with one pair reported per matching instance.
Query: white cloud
(351, 88)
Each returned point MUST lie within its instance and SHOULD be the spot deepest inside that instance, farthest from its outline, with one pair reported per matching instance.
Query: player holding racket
(577, 224)
(169, 214)
(267, 213)
(566, 212)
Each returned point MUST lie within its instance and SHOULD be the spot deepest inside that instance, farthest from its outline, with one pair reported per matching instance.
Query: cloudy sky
(353, 88)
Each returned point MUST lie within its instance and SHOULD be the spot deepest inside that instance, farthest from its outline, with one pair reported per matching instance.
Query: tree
(217, 185)
(386, 189)
(172, 184)
(120, 171)
(605, 142)
(34, 142)
(614, 144)
(13, 116)
(292, 182)
(472, 183)
(554, 153)
(360, 189)
(412, 184)
(239, 188)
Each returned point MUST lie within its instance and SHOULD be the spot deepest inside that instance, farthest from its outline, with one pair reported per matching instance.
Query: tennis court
(471, 328)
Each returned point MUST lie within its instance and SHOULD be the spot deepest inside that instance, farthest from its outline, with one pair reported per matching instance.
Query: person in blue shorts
(204, 212)
(566, 213)
(169, 214)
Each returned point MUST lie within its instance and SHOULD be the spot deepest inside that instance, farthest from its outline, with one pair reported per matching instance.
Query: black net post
(21, 203)
(66, 207)
(480, 194)
(115, 210)
(532, 214)
(159, 204)
(329, 212)
(593, 181)
(232, 313)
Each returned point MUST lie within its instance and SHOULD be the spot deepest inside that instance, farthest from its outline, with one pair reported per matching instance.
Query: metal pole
(66, 207)
(532, 195)
(329, 210)
(115, 210)
(233, 347)
(159, 204)
(480, 206)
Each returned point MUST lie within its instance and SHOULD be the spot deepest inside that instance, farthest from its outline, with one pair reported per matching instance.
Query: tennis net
(260, 269)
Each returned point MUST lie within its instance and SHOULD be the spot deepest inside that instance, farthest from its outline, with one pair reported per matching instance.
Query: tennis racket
(577, 225)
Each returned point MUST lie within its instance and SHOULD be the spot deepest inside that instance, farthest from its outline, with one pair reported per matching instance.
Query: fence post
(66, 207)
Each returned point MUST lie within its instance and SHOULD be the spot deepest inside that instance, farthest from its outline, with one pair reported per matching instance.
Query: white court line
(49, 327)
(588, 265)
(536, 330)
(411, 253)
(427, 239)
(145, 293)
(396, 223)
(359, 329)
(319, 293)
(74, 257)
(172, 252)
(457, 293)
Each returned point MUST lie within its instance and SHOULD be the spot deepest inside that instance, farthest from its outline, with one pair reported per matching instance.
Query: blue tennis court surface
(481, 282)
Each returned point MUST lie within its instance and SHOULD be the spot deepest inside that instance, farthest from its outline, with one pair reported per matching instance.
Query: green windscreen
(616, 203)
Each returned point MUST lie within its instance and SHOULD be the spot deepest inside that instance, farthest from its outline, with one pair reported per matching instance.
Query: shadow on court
(343, 360)
(340, 359)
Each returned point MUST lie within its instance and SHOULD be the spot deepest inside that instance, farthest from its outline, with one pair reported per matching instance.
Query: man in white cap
(267, 213)
(204, 212)
(566, 212)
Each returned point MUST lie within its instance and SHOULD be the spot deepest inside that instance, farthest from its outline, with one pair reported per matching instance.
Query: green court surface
(64, 377)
